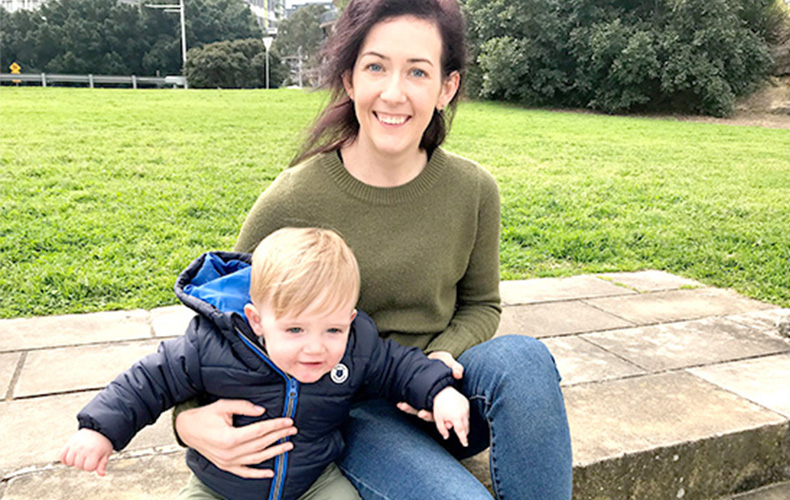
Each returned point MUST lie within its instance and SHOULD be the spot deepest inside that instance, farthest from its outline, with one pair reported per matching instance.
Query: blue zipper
(289, 410)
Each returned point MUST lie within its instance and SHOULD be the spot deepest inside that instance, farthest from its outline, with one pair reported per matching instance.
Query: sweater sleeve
(401, 373)
(478, 304)
(139, 395)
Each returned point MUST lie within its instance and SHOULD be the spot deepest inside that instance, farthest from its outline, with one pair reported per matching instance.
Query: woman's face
(396, 84)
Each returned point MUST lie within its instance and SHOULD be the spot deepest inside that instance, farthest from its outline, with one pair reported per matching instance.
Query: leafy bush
(240, 64)
(622, 55)
(111, 37)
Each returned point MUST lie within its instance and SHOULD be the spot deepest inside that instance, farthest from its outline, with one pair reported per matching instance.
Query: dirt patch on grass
(768, 107)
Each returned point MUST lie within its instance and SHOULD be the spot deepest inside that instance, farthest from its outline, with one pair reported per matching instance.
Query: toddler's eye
(294, 329)
(335, 330)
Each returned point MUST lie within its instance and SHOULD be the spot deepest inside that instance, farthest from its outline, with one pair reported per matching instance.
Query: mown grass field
(106, 194)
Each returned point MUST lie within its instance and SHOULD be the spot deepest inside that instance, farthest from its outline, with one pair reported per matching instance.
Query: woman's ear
(347, 85)
(449, 88)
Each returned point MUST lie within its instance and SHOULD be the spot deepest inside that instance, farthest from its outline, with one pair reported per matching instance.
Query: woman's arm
(478, 304)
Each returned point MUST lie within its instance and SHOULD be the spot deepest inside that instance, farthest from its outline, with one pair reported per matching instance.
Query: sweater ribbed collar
(380, 195)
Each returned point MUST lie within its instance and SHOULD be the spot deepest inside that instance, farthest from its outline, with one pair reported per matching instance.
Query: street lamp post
(267, 43)
(180, 9)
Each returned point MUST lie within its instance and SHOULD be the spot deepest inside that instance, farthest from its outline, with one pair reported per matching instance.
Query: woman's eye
(374, 67)
(418, 73)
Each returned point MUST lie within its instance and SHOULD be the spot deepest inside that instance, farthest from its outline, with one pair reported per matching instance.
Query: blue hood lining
(222, 284)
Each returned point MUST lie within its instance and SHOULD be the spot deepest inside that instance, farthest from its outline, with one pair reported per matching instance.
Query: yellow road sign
(15, 71)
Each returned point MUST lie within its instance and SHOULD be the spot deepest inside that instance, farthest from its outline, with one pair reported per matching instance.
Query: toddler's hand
(451, 411)
(87, 450)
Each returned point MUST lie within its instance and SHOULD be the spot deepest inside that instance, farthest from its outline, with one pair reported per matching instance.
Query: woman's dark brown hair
(337, 125)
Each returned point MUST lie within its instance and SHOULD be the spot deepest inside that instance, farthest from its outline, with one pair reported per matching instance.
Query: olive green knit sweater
(428, 251)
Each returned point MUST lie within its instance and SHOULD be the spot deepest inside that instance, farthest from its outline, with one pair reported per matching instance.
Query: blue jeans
(516, 408)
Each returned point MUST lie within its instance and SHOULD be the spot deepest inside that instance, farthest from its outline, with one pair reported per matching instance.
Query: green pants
(330, 485)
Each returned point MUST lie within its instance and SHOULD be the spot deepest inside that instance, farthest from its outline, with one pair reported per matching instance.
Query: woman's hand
(209, 430)
(458, 373)
(448, 359)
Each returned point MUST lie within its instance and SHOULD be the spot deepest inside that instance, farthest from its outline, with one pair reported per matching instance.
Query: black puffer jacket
(220, 357)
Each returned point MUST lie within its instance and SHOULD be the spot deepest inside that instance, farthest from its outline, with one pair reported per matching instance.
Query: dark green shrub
(622, 55)
(238, 64)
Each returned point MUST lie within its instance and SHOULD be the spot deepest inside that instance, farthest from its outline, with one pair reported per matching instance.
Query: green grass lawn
(105, 195)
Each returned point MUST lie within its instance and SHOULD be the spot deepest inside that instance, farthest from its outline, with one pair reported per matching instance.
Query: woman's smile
(389, 119)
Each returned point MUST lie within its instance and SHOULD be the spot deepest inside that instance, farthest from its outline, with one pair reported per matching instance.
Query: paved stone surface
(679, 345)
(150, 477)
(553, 289)
(766, 322)
(677, 305)
(171, 321)
(633, 415)
(556, 318)
(34, 430)
(580, 361)
(8, 363)
(650, 281)
(765, 380)
(673, 390)
(66, 369)
(52, 331)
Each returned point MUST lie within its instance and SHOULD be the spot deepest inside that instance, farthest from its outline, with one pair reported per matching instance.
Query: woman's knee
(511, 356)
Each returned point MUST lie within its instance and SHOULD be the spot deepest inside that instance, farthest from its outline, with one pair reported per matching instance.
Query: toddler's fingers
(79, 461)
(102, 467)
(441, 426)
(65, 457)
(462, 432)
(90, 463)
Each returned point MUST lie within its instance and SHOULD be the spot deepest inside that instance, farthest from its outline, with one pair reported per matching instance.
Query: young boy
(303, 353)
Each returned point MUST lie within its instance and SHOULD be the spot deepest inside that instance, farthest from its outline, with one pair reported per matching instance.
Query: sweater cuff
(456, 343)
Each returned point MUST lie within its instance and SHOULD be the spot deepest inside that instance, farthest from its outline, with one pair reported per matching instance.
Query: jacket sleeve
(400, 373)
(150, 387)
(478, 304)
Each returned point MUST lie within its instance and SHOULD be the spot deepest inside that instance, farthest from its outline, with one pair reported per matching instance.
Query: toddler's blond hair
(296, 268)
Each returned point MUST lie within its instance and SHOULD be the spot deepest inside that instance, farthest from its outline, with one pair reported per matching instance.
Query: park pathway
(673, 390)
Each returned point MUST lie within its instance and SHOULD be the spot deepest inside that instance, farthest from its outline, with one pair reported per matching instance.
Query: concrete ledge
(699, 470)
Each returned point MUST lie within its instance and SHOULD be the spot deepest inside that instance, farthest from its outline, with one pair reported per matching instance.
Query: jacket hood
(217, 285)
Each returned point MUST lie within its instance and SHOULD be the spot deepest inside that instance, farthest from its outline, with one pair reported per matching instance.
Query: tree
(236, 64)
(300, 37)
(109, 37)
(621, 55)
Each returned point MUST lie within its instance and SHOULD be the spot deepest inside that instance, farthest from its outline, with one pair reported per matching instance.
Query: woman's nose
(393, 90)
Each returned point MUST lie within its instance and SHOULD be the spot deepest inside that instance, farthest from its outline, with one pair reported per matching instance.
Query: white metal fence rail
(93, 80)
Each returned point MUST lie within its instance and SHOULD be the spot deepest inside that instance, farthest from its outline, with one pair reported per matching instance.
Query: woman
(424, 225)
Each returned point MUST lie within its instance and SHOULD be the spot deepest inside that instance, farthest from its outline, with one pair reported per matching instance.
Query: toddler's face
(306, 346)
